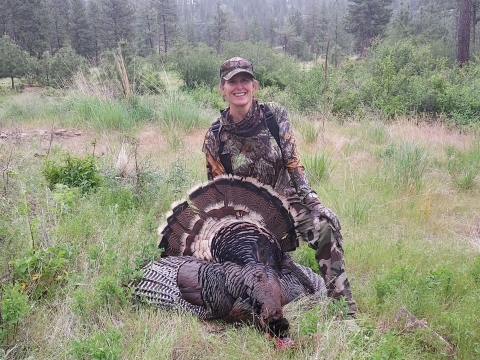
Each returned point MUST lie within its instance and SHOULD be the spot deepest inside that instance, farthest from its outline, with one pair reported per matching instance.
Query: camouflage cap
(234, 66)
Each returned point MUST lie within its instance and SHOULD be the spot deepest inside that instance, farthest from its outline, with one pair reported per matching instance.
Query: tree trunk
(474, 24)
(464, 21)
(13, 84)
(165, 38)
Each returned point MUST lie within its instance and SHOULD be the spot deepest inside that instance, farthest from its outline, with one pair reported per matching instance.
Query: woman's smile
(238, 91)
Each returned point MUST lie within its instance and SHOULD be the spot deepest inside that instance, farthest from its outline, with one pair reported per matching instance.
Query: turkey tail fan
(192, 224)
(175, 235)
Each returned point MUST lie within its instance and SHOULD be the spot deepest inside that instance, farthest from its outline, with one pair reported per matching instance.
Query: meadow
(405, 189)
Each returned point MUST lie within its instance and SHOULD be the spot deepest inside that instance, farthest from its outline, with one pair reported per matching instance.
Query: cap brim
(237, 71)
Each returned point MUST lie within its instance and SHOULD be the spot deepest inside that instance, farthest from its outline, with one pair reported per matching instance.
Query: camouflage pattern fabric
(255, 153)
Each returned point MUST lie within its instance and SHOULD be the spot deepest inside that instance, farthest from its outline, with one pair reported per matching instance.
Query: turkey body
(224, 258)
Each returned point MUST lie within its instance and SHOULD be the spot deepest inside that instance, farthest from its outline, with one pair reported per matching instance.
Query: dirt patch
(150, 140)
(33, 88)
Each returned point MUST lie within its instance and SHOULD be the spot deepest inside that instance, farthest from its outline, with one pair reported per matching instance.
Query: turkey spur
(223, 256)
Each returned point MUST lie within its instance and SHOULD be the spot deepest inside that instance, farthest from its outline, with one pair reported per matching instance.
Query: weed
(318, 166)
(14, 306)
(405, 164)
(377, 133)
(41, 271)
(387, 283)
(174, 135)
(389, 348)
(463, 167)
(475, 270)
(309, 132)
(98, 344)
(306, 256)
(356, 208)
(178, 178)
(109, 292)
(309, 322)
(181, 113)
(65, 198)
(73, 172)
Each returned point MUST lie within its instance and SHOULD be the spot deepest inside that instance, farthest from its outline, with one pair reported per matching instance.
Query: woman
(243, 142)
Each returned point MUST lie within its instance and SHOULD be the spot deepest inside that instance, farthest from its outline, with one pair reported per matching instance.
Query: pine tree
(167, 18)
(81, 37)
(29, 25)
(464, 25)
(366, 19)
(340, 41)
(59, 11)
(146, 27)
(316, 26)
(13, 60)
(218, 27)
(95, 19)
(118, 20)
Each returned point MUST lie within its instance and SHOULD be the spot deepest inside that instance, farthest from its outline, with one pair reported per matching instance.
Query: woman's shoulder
(215, 125)
(273, 105)
(278, 110)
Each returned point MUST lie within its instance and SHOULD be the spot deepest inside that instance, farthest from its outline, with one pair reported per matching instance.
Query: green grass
(409, 231)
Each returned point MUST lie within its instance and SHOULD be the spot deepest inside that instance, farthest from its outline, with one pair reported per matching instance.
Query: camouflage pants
(329, 256)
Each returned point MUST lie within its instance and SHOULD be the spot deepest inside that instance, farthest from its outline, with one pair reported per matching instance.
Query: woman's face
(238, 91)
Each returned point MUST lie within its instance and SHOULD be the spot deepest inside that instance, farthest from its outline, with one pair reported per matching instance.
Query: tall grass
(463, 166)
(405, 164)
(177, 110)
(318, 166)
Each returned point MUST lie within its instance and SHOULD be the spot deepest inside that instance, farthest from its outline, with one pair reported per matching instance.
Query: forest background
(103, 109)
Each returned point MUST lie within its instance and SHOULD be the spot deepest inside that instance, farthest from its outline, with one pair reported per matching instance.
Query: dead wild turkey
(225, 256)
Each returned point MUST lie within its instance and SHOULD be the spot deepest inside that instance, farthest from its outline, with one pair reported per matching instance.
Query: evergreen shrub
(197, 66)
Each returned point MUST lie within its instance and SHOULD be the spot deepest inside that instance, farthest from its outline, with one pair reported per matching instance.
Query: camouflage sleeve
(210, 148)
(291, 156)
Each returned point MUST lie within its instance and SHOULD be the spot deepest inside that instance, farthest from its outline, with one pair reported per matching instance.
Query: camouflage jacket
(254, 151)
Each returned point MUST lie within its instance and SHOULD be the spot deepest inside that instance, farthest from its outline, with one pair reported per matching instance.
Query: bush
(41, 271)
(64, 65)
(198, 66)
(308, 90)
(73, 172)
(14, 306)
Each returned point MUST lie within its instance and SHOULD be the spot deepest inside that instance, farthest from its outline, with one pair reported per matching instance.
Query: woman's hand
(321, 213)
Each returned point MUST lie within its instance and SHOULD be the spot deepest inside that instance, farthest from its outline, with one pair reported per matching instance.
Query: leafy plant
(73, 172)
(41, 270)
(99, 345)
(14, 306)
(108, 291)
(309, 322)
(387, 282)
